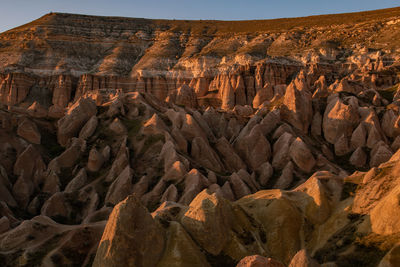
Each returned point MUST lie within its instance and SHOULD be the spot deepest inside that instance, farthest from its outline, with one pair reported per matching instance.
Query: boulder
(267, 208)
(297, 108)
(270, 121)
(152, 198)
(380, 154)
(119, 163)
(301, 155)
(76, 117)
(325, 189)
(358, 158)
(254, 148)
(339, 119)
(281, 150)
(131, 237)
(358, 138)
(342, 146)
(264, 173)
(249, 180)
(181, 143)
(211, 214)
(373, 137)
(180, 249)
(283, 128)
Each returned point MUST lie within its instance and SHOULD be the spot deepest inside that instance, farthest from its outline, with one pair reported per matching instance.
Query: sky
(14, 13)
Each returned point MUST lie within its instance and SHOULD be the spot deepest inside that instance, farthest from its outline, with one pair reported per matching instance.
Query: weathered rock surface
(208, 214)
(29, 131)
(301, 155)
(183, 115)
(297, 108)
(70, 125)
(131, 237)
(339, 119)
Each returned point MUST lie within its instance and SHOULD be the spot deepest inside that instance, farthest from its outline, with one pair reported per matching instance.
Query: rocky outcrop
(195, 119)
(231, 160)
(186, 96)
(204, 154)
(180, 249)
(339, 119)
(62, 91)
(301, 155)
(297, 108)
(76, 117)
(29, 131)
(131, 237)
(14, 87)
(254, 148)
(262, 95)
(208, 214)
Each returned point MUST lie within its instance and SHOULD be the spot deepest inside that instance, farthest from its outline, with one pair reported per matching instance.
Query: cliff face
(276, 138)
(158, 56)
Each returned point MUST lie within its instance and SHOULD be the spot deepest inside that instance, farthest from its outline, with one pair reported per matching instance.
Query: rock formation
(173, 143)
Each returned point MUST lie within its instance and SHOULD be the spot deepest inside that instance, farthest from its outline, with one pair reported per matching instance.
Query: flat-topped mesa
(226, 62)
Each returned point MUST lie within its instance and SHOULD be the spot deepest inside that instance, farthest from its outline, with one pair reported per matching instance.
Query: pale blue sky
(17, 12)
